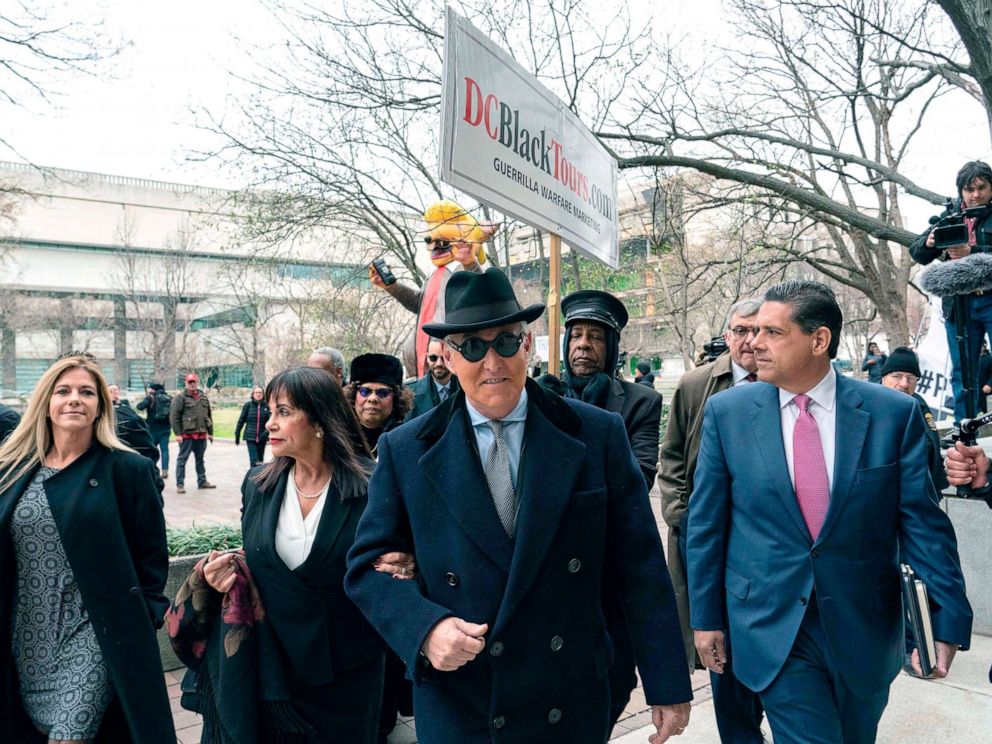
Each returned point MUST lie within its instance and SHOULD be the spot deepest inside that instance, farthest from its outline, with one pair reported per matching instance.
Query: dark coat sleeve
(242, 420)
(919, 251)
(642, 419)
(9, 419)
(133, 431)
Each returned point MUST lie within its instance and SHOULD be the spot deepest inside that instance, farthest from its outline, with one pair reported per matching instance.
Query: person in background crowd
(381, 404)
(315, 676)
(974, 185)
(873, 362)
(193, 425)
(643, 375)
(809, 492)
(738, 710)
(157, 406)
(330, 360)
(254, 416)
(132, 430)
(377, 394)
(522, 506)
(9, 418)
(78, 652)
(436, 386)
(902, 372)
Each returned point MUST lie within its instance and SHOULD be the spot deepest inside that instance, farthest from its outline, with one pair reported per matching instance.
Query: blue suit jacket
(753, 565)
(584, 519)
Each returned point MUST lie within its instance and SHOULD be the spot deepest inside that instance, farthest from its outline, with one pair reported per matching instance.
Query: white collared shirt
(294, 534)
(513, 433)
(823, 408)
(740, 374)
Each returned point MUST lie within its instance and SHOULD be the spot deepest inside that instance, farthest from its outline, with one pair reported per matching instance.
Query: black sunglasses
(381, 393)
(439, 244)
(474, 349)
(433, 357)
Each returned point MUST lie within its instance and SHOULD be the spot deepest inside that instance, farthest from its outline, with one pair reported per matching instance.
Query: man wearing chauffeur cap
(522, 506)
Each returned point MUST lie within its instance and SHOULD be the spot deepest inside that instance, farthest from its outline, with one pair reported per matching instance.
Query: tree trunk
(973, 21)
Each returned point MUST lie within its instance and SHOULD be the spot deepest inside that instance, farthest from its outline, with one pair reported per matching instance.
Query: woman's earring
(319, 434)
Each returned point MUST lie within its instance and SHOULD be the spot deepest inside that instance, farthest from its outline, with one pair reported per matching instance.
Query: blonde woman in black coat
(83, 563)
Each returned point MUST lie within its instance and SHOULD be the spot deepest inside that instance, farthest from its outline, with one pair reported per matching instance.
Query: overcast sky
(138, 122)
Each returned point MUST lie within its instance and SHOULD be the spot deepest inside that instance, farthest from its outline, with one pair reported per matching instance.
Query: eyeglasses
(433, 358)
(906, 377)
(438, 244)
(380, 393)
(744, 331)
(474, 349)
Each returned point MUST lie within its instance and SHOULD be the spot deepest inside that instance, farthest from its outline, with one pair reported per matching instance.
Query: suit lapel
(452, 467)
(614, 401)
(767, 427)
(851, 431)
(548, 476)
(332, 518)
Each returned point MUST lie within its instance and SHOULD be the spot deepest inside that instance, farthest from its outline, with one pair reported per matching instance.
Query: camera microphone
(973, 273)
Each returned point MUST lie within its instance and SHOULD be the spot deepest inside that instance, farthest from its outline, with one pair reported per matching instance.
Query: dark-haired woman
(254, 417)
(299, 517)
(376, 391)
(83, 563)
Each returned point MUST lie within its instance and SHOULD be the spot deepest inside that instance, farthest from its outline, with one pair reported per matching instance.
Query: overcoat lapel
(766, 423)
(452, 467)
(851, 432)
(332, 520)
(70, 492)
(614, 401)
(547, 481)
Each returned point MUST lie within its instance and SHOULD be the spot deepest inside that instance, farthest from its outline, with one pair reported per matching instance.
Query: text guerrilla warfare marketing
(541, 151)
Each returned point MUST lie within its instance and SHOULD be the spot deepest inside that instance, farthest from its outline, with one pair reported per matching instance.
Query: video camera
(950, 229)
(714, 348)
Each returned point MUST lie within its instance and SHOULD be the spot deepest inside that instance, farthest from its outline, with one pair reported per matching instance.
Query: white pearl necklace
(299, 491)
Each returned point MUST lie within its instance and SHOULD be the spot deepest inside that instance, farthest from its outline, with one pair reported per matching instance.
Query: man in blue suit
(520, 507)
(809, 492)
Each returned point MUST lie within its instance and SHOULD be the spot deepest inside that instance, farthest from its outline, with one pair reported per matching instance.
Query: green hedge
(196, 540)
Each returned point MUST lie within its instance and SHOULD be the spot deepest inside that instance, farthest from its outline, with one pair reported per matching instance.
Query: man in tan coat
(738, 710)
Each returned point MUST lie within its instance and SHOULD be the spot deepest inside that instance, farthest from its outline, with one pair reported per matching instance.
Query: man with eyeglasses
(738, 710)
(436, 386)
(521, 505)
(901, 372)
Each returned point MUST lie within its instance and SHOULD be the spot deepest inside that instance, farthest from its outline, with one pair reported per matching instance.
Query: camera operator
(974, 184)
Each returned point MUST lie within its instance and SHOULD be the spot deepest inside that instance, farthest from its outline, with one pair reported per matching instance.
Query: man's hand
(400, 565)
(375, 279)
(945, 655)
(966, 466)
(711, 650)
(210, 438)
(958, 251)
(987, 389)
(453, 643)
(669, 720)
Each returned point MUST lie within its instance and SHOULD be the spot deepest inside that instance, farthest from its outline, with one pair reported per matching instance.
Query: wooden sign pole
(554, 315)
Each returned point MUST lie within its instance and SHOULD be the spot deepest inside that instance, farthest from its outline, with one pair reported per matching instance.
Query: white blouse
(294, 534)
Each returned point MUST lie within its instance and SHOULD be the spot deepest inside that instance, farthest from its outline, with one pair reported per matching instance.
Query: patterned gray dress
(60, 668)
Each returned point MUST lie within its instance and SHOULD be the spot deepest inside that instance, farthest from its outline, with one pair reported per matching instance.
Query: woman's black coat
(110, 521)
(320, 629)
(254, 416)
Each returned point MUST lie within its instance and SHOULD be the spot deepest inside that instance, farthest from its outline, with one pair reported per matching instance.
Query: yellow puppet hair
(447, 220)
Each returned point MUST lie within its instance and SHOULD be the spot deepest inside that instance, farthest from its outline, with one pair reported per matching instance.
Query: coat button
(496, 649)
(134, 590)
(574, 565)
(94, 482)
(451, 578)
(557, 642)
(802, 601)
(554, 716)
(816, 553)
(499, 722)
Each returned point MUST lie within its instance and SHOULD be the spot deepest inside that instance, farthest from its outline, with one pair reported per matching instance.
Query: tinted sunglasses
(381, 393)
(474, 348)
(433, 357)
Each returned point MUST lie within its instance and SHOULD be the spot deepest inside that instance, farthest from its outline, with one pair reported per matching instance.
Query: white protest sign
(935, 366)
(508, 141)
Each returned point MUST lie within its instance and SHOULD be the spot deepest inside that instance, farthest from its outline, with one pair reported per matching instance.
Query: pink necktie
(812, 484)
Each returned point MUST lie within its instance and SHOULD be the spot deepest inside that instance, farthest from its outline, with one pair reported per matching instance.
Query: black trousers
(198, 447)
(256, 452)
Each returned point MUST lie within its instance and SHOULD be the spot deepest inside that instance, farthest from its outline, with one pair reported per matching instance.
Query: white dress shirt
(740, 374)
(824, 411)
(294, 534)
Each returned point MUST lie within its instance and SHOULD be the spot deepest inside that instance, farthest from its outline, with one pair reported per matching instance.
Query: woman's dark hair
(970, 171)
(402, 400)
(813, 306)
(872, 343)
(319, 396)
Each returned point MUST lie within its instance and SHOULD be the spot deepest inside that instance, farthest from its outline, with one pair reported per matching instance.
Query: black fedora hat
(473, 302)
(595, 305)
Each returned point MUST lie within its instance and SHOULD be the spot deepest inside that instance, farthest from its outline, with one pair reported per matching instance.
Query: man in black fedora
(522, 505)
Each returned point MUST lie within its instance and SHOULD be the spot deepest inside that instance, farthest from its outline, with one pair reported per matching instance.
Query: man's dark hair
(970, 171)
(813, 305)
